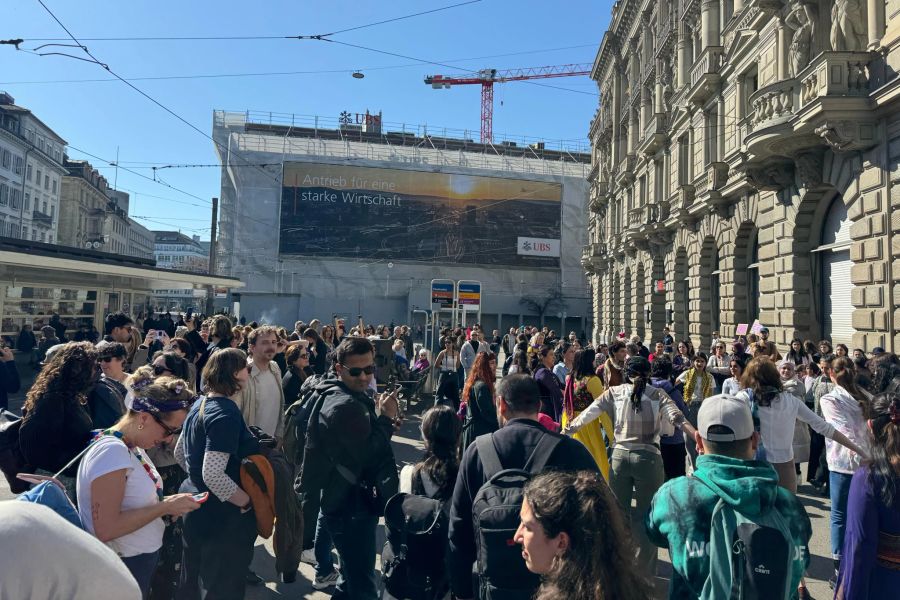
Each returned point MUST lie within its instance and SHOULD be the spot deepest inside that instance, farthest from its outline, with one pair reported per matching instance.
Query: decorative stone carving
(845, 136)
(802, 19)
(773, 175)
(847, 26)
(718, 175)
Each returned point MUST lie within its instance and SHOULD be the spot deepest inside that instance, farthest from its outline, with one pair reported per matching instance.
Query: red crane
(488, 77)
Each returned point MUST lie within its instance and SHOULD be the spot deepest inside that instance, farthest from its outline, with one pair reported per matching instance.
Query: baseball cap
(877, 350)
(728, 411)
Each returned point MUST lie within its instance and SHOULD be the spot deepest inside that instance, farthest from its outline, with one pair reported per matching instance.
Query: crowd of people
(177, 446)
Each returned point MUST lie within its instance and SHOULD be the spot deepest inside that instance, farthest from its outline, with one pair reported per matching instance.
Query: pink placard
(757, 326)
(741, 329)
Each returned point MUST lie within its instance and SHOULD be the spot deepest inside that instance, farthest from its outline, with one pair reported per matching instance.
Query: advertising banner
(396, 214)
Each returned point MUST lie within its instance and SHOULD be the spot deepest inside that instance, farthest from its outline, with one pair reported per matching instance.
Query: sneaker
(308, 557)
(328, 581)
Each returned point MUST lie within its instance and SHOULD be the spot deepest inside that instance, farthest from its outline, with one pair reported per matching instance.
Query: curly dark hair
(884, 433)
(598, 562)
(66, 377)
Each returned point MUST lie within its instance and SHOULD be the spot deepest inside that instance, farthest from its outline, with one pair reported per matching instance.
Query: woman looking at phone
(120, 492)
(218, 538)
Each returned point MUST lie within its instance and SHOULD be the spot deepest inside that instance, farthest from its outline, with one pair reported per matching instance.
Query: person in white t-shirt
(120, 498)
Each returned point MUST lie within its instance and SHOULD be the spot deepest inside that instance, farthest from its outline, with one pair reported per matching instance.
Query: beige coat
(246, 400)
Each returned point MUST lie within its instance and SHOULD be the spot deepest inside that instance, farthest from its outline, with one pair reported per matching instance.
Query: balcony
(599, 196)
(705, 75)
(666, 34)
(593, 257)
(654, 135)
(626, 174)
(41, 219)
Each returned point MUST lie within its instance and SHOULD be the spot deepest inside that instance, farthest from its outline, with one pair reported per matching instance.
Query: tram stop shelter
(82, 286)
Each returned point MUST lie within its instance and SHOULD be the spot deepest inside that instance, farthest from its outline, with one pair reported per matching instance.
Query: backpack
(314, 464)
(296, 420)
(12, 461)
(413, 561)
(499, 569)
(749, 559)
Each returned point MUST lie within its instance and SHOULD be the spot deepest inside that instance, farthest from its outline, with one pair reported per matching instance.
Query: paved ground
(408, 449)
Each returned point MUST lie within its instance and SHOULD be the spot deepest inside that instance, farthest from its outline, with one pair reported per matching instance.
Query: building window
(28, 172)
(18, 162)
(4, 194)
(46, 182)
(14, 197)
(53, 186)
(684, 160)
(44, 209)
(52, 211)
(34, 235)
(37, 181)
(6, 159)
(27, 201)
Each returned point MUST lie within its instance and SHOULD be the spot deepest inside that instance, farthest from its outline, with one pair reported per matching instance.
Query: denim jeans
(323, 545)
(637, 474)
(354, 539)
(840, 489)
(142, 567)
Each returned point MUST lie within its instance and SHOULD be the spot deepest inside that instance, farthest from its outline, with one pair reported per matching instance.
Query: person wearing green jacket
(680, 516)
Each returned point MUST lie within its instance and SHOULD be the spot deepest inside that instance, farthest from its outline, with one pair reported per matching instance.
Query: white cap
(729, 411)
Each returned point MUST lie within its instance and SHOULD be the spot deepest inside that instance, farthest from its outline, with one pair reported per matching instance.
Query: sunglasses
(357, 371)
(170, 431)
(160, 369)
(106, 359)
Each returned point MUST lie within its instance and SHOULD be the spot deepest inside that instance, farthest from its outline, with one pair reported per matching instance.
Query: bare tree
(547, 302)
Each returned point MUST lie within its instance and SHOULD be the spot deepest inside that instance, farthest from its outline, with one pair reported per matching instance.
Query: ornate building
(745, 166)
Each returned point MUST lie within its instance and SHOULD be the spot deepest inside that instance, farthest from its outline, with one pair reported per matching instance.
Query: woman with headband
(120, 494)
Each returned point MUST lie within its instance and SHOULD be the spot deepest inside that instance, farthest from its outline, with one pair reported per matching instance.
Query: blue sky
(100, 117)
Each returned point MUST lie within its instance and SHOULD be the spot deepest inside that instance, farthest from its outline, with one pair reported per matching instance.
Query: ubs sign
(528, 246)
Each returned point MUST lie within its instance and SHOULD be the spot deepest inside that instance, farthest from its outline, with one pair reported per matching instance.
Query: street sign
(441, 294)
(470, 295)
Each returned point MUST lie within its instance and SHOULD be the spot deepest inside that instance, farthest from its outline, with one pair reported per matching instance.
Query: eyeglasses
(357, 371)
(160, 369)
(170, 431)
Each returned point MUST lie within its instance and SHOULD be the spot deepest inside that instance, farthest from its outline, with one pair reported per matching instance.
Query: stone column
(616, 113)
(739, 100)
(646, 111)
(709, 23)
(633, 125)
(875, 13)
(783, 46)
(720, 143)
(684, 58)
(658, 89)
(738, 5)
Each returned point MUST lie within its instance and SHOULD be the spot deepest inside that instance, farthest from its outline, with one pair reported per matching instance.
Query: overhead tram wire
(230, 152)
(291, 73)
(251, 37)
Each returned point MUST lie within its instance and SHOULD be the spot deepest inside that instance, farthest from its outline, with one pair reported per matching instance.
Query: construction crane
(488, 77)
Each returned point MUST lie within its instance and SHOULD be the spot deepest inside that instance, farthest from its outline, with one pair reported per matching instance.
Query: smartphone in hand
(201, 497)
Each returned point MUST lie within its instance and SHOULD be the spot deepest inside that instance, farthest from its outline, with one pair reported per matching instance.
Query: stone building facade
(745, 166)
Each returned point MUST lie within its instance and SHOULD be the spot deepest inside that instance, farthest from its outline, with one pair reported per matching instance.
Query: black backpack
(413, 561)
(499, 568)
(296, 421)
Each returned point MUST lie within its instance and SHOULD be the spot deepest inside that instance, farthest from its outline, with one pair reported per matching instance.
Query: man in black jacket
(518, 404)
(355, 432)
(9, 376)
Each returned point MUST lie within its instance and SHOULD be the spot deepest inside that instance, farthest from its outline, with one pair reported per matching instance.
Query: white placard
(529, 246)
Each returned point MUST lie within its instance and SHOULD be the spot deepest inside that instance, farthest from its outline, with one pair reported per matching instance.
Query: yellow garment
(591, 435)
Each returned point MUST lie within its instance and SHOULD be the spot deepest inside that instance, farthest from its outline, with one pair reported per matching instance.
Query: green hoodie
(680, 516)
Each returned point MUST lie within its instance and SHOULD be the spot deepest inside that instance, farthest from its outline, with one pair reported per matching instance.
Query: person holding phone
(120, 492)
(218, 538)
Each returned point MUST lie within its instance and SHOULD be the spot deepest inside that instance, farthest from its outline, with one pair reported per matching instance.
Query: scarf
(691, 381)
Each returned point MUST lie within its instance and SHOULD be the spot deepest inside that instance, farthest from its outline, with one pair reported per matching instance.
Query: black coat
(52, 435)
(514, 443)
(481, 414)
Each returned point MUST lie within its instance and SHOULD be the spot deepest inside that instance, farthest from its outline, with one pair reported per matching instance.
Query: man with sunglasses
(351, 467)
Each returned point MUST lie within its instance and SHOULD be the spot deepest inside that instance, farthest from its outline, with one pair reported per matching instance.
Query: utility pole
(211, 292)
